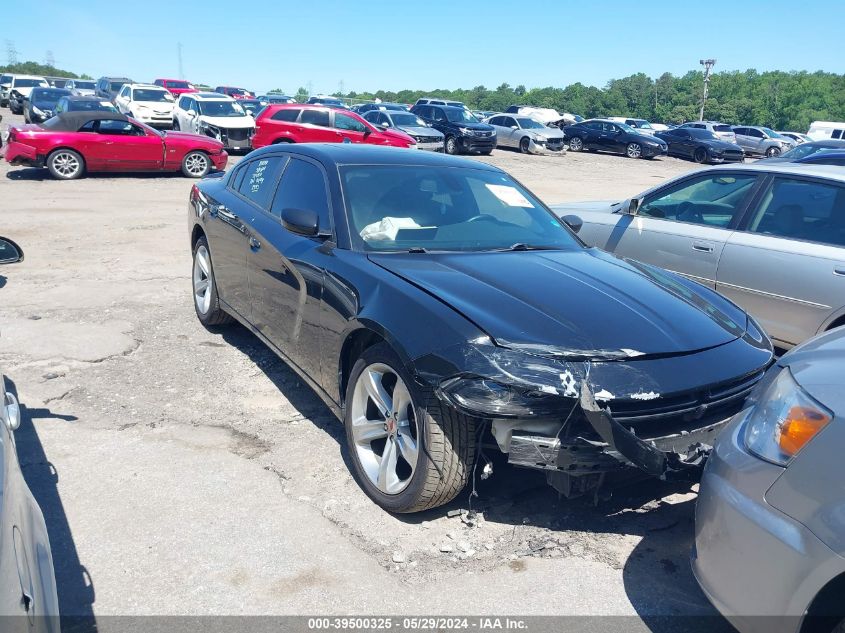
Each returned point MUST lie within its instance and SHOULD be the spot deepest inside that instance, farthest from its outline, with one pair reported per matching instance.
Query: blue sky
(395, 44)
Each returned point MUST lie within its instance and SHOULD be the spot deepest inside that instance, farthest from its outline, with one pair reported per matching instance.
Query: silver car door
(510, 132)
(788, 267)
(683, 227)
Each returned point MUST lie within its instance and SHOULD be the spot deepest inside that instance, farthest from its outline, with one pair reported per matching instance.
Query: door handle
(223, 211)
(254, 243)
(839, 270)
(703, 247)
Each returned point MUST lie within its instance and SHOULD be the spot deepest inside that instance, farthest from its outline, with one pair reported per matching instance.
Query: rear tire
(65, 164)
(444, 442)
(204, 286)
(576, 144)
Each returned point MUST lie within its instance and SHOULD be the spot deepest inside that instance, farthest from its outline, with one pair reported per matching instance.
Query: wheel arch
(68, 148)
(196, 233)
(837, 319)
(362, 335)
(827, 608)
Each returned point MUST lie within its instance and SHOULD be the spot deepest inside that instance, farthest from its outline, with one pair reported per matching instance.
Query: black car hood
(573, 304)
(472, 126)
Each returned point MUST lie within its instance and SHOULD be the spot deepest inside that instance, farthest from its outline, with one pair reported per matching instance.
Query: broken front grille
(238, 134)
(663, 415)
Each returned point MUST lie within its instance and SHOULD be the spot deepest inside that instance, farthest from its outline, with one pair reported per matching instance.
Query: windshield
(771, 133)
(411, 120)
(148, 94)
(402, 207)
(627, 128)
(30, 83)
(85, 85)
(220, 108)
(96, 106)
(47, 96)
(806, 149)
(702, 134)
(459, 115)
(527, 123)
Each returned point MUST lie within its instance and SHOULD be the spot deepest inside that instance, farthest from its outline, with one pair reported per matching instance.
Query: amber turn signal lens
(799, 427)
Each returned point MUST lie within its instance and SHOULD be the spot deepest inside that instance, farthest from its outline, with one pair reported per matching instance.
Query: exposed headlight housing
(784, 419)
(488, 398)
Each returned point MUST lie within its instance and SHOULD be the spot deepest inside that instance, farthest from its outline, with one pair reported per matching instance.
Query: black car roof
(72, 121)
(358, 154)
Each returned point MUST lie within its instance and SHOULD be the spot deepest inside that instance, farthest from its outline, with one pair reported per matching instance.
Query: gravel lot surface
(186, 472)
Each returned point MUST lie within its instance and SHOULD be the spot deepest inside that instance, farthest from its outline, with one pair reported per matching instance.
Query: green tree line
(34, 68)
(781, 100)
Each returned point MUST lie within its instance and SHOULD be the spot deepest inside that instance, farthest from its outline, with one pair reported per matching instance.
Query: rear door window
(711, 200)
(260, 178)
(802, 209)
(315, 117)
(287, 114)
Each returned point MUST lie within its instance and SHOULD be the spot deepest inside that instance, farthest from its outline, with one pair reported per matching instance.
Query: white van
(823, 130)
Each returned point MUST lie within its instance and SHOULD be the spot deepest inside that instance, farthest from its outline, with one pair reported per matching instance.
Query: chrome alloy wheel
(384, 428)
(634, 150)
(196, 164)
(66, 164)
(203, 280)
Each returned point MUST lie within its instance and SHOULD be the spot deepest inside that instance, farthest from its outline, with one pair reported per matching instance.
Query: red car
(176, 87)
(303, 123)
(71, 143)
(235, 93)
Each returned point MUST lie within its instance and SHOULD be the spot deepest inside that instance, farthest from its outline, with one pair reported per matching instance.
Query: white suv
(149, 104)
(214, 115)
(19, 88)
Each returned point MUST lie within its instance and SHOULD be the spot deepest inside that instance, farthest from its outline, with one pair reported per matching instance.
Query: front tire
(452, 145)
(409, 451)
(576, 144)
(175, 125)
(206, 300)
(772, 152)
(700, 155)
(524, 144)
(196, 164)
(634, 150)
(65, 164)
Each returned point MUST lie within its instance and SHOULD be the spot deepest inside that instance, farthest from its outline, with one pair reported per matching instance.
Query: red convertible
(71, 143)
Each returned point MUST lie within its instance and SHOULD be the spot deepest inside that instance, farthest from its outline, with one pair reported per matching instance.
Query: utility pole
(179, 53)
(11, 53)
(340, 87)
(310, 86)
(708, 65)
(50, 59)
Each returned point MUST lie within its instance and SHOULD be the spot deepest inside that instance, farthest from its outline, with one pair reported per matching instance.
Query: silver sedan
(28, 596)
(771, 237)
(769, 524)
(526, 134)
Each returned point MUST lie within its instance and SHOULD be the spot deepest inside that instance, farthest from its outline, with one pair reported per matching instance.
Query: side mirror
(10, 253)
(633, 206)
(513, 127)
(192, 113)
(573, 222)
(301, 221)
(367, 131)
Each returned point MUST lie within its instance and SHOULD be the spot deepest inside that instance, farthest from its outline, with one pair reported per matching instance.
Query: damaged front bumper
(616, 414)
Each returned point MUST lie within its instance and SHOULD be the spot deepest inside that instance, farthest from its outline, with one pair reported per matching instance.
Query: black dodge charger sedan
(612, 136)
(436, 305)
(702, 146)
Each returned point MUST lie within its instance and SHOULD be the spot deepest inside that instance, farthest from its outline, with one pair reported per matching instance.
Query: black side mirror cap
(301, 221)
(573, 222)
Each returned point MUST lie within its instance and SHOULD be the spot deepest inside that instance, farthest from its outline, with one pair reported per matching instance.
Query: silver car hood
(549, 132)
(602, 206)
(414, 130)
(817, 367)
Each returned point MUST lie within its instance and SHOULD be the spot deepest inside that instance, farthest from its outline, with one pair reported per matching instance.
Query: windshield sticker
(509, 195)
(388, 228)
(257, 178)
